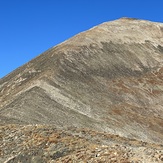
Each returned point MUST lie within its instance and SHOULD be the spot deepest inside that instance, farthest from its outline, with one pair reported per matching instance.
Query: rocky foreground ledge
(46, 143)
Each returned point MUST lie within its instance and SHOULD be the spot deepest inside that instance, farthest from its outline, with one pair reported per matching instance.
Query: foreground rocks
(46, 143)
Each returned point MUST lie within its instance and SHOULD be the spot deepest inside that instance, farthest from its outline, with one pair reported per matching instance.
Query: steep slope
(109, 78)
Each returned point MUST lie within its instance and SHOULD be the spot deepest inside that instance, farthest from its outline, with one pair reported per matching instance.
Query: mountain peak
(128, 18)
(124, 30)
(108, 78)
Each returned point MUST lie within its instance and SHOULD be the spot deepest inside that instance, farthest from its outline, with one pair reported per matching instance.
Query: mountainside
(109, 78)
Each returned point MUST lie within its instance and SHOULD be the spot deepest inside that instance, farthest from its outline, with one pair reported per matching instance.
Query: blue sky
(29, 27)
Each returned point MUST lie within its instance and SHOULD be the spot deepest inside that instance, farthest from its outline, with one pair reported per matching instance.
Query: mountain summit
(109, 78)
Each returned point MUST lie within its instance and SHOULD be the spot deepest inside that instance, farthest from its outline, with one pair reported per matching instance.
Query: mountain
(108, 79)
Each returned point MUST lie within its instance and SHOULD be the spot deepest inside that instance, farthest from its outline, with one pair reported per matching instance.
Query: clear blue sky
(29, 27)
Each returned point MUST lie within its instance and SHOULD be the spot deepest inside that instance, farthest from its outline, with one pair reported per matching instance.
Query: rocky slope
(109, 78)
(48, 144)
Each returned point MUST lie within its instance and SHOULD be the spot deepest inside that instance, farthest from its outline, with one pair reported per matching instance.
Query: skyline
(29, 28)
